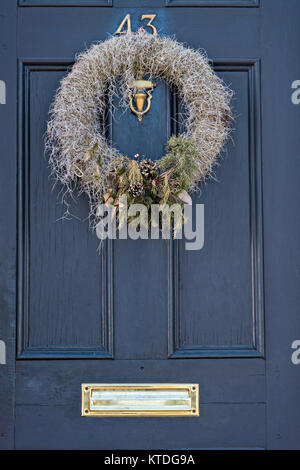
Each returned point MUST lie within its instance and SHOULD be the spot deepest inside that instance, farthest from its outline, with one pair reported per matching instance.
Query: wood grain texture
(65, 293)
(64, 3)
(8, 149)
(231, 323)
(219, 426)
(140, 266)
(220, 381)
(281, 145)
(160, 3)
(213, 3)
(245, 402)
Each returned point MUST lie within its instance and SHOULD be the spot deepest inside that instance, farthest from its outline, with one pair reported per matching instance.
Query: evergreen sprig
(182, 156)
(147, 182)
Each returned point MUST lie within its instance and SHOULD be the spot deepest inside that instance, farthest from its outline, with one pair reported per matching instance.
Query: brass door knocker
(140, 90)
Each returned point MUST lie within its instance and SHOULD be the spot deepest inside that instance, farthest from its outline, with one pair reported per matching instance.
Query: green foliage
(182, 156)
(134, 173)
(146, 182)
(119, 165)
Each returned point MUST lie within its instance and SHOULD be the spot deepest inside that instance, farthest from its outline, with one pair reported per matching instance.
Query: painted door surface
(145, 311)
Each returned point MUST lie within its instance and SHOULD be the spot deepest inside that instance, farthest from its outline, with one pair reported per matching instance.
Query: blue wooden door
(146, 311)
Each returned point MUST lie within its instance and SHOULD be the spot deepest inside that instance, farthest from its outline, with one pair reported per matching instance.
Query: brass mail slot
(140, 400)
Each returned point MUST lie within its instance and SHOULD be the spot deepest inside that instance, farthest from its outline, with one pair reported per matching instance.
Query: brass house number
(125, 25)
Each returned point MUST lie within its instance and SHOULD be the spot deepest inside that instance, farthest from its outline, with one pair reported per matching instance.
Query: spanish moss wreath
(81, 155)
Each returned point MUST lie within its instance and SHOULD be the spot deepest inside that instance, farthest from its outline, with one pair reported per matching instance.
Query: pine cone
(136, 189)
(148, 168)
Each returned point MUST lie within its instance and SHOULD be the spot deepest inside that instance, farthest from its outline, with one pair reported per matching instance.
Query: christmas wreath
(79, 150)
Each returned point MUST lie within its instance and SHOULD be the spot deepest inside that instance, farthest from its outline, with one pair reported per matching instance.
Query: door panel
(212, 3)
(64, 298)
(231, 323)
(216, 429)
(232, 408)
(148, 310)
(62, 3)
